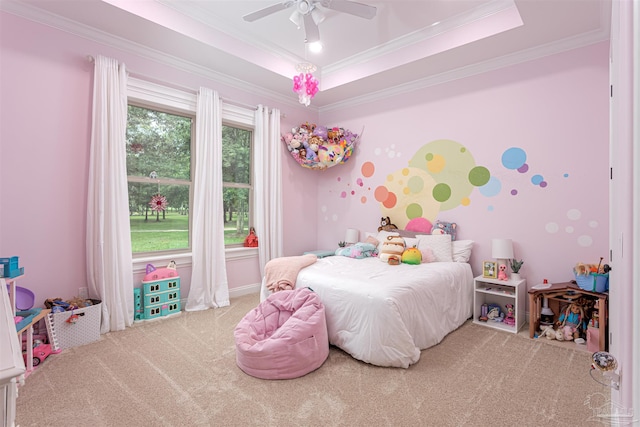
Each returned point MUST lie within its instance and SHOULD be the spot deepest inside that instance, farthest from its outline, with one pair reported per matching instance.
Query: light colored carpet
(181, 371)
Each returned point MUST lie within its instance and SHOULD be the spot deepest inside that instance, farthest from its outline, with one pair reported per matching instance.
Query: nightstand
(500, 292)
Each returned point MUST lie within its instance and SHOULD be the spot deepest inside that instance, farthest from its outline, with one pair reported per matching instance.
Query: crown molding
(35, 14)
(527, 55)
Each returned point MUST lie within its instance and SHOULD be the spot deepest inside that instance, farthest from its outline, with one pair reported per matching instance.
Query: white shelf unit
(501, 292)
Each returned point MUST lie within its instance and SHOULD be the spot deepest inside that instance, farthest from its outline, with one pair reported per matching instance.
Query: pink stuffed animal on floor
(502, 272)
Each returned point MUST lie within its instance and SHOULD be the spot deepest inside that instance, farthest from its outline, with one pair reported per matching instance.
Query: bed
(385, 314)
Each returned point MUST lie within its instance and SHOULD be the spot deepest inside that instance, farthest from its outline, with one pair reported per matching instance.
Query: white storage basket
(85, 330)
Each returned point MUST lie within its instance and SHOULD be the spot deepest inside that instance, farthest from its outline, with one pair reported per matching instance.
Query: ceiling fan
(308, 12)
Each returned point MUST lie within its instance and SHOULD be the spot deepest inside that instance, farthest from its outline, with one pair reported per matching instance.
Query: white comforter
(385, 314)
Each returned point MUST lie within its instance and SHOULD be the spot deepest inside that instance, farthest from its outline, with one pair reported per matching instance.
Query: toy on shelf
(509, 318)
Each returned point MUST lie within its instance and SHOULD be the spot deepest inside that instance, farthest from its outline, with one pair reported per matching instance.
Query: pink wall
(553, 110)
(46, 86)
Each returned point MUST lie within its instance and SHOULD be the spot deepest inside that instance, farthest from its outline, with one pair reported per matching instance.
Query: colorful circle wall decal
(406, 195)
(453, 167)
(514, 158)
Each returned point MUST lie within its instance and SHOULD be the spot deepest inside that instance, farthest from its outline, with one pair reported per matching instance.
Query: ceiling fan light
(296, 18)
(315, 47)
(317, 15)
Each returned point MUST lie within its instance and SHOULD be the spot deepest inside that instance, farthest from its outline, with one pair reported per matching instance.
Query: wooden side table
(567, 292)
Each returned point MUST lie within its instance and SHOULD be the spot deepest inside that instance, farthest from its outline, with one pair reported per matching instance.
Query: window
(160, 139)
(237, 188)
(159, 178)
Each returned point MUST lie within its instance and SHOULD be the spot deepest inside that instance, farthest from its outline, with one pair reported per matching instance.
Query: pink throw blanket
(281, 273)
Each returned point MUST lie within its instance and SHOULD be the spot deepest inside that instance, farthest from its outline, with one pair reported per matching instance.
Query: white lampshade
(502, 249)
(352, 236)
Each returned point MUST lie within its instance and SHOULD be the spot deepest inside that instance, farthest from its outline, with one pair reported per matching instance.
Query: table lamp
(351, 236)
(502, 250)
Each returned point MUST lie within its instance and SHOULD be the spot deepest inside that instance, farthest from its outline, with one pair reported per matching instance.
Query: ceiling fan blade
(312, 33)
(254, 16)
(351, 7)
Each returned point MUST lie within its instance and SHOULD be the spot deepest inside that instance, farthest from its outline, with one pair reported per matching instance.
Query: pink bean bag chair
(284, 337)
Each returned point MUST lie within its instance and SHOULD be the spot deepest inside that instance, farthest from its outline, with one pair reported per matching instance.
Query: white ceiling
(407, 44)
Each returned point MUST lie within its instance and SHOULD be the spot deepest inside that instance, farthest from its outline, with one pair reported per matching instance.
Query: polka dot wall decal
(339, 179)
(353, 192)
(390, 202)
(414, 210)
(441, 192)
(585, 241)
(524, 168)
(514, 192)
(566, 175)
(479, 176)
(536, 179)
(359, 182)
(465, 201)
(363, 200)
(513, 158)
(491, 188)
(343, 194)
(574, 214)
(367, 169)
(552, 227)
(381, 193)
(490, 208)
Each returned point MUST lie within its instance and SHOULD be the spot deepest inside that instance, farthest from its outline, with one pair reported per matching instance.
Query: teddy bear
(386, 225)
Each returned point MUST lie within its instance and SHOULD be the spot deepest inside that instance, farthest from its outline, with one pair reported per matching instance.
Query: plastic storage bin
(593, 282)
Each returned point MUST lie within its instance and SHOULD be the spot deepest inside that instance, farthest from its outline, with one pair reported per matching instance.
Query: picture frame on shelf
(489, 269)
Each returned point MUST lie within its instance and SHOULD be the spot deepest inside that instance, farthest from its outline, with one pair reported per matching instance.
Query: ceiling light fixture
(315, 47)
(296, 18)
(304, 84)
(317, 15)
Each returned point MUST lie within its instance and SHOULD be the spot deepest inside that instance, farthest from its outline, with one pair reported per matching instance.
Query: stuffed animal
(502, 272)
(551, 334)
(386, 225)
(412, 256)
(391, 250)
(442, 227)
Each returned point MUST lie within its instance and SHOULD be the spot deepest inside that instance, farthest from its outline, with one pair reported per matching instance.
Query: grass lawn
(170, 233)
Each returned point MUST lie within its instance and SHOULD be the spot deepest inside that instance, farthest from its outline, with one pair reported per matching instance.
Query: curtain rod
(90, 58)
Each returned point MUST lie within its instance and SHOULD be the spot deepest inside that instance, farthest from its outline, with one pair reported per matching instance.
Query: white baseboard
(244, 290)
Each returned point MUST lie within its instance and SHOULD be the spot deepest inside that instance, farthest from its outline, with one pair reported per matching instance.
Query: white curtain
(109, 263)
(268, 185)
(209, 285)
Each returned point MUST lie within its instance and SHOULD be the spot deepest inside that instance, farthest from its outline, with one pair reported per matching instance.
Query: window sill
(184, 259)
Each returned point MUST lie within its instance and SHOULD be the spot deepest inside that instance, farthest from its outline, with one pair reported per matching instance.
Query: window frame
(164, 98)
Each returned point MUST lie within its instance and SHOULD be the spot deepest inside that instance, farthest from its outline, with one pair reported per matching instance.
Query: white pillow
(410, 242)
(461, 250)
(440, 245)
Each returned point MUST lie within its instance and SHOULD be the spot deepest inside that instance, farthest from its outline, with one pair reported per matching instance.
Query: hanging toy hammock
(320, 147)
